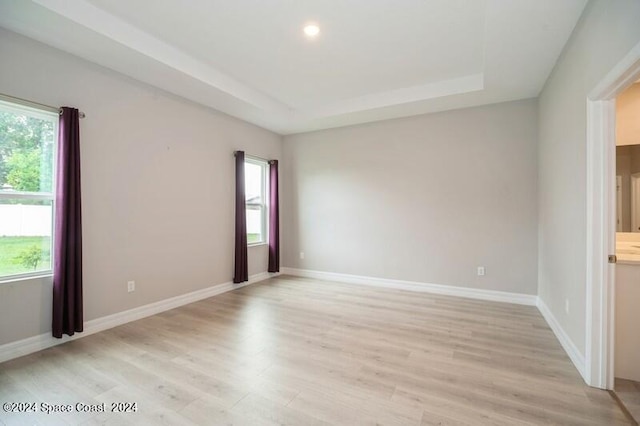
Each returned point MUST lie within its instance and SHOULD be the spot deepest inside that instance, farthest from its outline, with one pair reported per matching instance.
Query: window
(27, 150)
(255, 182)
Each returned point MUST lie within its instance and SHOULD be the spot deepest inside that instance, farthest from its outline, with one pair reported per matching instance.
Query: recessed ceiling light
(311, 30)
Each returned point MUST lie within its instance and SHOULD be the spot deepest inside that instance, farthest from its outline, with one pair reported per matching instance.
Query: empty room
(319, 212)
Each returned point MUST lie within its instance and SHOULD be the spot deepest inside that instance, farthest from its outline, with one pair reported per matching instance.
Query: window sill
(257, 244)
(35, 276)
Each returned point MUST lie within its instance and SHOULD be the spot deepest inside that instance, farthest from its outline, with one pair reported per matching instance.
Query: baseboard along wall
(447, 290)
(491, 295)
(567, 344)
(43, 341)
(36, 343)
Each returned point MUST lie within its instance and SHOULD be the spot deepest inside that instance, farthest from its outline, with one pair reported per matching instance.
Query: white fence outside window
(17, 220)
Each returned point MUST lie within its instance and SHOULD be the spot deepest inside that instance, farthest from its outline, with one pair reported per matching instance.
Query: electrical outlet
(481, 271)
(566, 306)
(301, 255)
(131, 286)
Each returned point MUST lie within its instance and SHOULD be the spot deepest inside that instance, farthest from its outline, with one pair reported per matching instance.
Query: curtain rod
(254, 157)
(33, 104)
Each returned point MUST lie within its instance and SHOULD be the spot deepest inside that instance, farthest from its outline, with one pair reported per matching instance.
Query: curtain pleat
(241, 269)
(67, 246)
(274, 218)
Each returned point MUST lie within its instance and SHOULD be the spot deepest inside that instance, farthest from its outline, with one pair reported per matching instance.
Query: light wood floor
(306, 352)
(629, 393)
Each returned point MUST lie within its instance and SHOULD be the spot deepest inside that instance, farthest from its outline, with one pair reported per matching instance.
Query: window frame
(262, 207)
(43, 114)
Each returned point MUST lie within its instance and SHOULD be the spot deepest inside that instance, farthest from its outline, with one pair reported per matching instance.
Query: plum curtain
(274, 218)
(67, 246)
(241, 268)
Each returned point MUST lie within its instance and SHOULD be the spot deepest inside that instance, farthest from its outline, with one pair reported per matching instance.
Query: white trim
(111, 26)
(635, 200)
(455, 86)
(264, 195)
(10, 279)
(19, 195)
(472, 293)
(619, 202)
(36, 343)
(21, 107)
(600, 232)
(600, 237)
(624, 74)
(567, 344)
(448, 290)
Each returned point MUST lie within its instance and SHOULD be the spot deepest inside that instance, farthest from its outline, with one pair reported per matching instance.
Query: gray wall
(426, 198)
(606, 32)
(157, 187)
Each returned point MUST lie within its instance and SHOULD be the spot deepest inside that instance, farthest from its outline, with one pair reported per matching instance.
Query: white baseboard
(36, 343)
(567, 344)
(447, 290)
(496, 296)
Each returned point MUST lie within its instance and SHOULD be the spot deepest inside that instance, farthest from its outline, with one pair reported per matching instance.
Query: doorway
(618, 203)
(627, 275)
(635, 198)
(601, 220)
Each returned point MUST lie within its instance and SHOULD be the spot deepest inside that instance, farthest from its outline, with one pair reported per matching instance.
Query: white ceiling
(373, 60)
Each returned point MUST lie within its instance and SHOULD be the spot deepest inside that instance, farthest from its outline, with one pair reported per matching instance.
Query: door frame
(601, 218)
(618, 203)
(635, 199)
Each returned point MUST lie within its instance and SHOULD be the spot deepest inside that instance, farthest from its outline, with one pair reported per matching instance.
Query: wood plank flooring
(293, 351)
(628, 391)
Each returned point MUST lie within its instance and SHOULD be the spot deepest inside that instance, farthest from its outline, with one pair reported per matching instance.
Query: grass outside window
(24, 255)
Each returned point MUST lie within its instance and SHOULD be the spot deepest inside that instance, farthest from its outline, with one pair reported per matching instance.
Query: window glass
(25, 236)
(27, 151)
(255, 175)
(254, 226)
(253, 182)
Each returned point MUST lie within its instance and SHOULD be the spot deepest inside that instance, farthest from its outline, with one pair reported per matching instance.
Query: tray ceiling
(373, 59)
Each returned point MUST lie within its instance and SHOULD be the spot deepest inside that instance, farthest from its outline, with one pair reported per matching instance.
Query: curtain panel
(241, 268)
(274, 218)
(67, 246)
